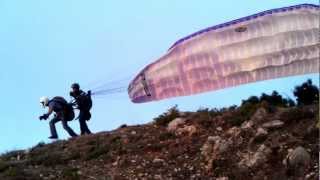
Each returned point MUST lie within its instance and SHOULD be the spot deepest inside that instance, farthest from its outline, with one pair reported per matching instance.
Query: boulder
(255, 160)
(213, 139)
(175, 124)
(256, 119)
(186, 130)
(234, 135)
(259, 137)
(247, 125)
(259, 115)
(310, 176)
(234, 132)
(297, 161)
(214, 148)
(261, 133)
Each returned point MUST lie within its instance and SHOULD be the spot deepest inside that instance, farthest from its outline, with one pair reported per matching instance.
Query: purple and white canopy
(271, 44)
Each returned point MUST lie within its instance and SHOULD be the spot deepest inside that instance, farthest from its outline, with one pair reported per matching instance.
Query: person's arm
(49, 111)
(72, 99)
(45, 116)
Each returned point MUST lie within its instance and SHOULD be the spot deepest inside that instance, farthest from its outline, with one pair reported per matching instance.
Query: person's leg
(53, 130)
(68, 129)
(83, 124)
(66, 126)
(81, 119)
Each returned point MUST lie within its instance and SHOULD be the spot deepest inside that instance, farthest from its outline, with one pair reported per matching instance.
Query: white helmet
(44, 101)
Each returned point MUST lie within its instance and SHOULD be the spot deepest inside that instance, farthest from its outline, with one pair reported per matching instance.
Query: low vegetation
(168, 116)
(151, 151)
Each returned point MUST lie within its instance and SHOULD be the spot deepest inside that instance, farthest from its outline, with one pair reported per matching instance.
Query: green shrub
(252, 100)
(250, 106)
(39, 145)
(247, 110)
(208, 113)
(11, 154)
(70, 174)
(166, 135)
(73, 156)
(296, 114)
(275, 99)
(97, 149)
(243, 113)
(307, 93)
(205, 116)
(96, 152)
(165, 118)
(48, 159)
(11, 172)
(14, 173)
(117, 145)
(236, 120)
(3, 166)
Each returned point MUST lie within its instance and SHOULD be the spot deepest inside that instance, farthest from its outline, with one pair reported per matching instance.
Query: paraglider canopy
(271, 44)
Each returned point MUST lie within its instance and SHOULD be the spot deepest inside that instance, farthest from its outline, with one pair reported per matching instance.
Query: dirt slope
(272, 143)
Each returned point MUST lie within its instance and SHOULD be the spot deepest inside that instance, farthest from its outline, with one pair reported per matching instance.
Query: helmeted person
(63, 112)
(83, 102)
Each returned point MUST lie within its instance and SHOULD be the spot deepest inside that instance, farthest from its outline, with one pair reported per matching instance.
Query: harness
(67, 108)
(59, 100)
(83, 101)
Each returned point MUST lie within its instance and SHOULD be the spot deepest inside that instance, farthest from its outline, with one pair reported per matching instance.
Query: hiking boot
(86, 133)
(53, 137)
(73, 137)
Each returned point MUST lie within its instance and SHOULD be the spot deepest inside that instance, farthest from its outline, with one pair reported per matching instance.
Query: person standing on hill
(63, 112)
(83, 102)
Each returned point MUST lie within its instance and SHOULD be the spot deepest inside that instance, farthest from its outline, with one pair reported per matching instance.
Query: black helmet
(75, 86)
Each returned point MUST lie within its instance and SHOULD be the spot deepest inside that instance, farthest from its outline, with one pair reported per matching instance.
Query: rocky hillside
(257, 141)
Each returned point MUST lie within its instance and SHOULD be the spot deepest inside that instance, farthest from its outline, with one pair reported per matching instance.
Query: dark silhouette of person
(83, 102)
(63, 112)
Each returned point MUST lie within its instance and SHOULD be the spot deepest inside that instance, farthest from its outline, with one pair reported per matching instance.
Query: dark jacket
(83, 101)
(62, 108)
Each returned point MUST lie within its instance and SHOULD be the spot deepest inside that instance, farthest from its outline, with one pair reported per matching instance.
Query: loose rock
(298, 161)
(214, 148)
(273, 124)
(260, 135)
(223, 178)
(189, 130)
(257, 159)
(175, 124)
(158, 160)
(259, 115)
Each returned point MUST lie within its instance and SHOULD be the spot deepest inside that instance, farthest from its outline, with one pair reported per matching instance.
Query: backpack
(84, 101)
(67, 107)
